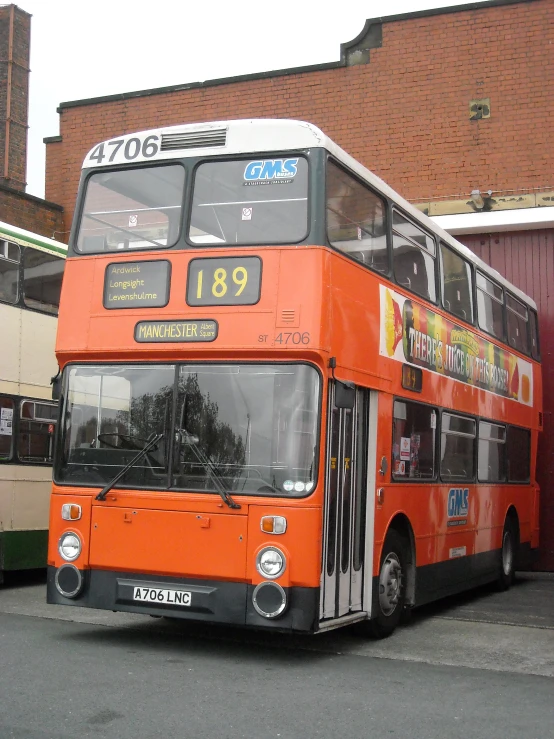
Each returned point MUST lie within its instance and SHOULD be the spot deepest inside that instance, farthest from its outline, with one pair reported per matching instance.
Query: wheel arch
(401, 524)
(512, 515)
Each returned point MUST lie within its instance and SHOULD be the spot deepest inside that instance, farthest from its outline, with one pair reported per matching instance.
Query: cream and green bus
(31, 269)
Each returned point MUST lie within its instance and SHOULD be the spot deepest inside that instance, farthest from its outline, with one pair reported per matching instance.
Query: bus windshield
(250, 201)
(132, 209)
(251, 429)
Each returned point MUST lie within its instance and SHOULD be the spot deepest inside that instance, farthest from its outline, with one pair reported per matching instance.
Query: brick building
(438, 103)
(16, 206)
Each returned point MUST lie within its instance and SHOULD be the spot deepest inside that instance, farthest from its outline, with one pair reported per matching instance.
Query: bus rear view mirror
(345, 394)
(56, 383)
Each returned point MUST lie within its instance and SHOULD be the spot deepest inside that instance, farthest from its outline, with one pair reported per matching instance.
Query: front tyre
(392, 586)
(508, 553)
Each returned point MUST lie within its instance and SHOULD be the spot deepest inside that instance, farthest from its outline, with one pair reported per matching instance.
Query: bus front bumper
(210, 601)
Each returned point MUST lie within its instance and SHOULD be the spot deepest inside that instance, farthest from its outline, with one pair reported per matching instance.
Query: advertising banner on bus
(413, 334)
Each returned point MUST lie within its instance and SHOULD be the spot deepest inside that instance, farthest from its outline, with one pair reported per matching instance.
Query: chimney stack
(15, 42)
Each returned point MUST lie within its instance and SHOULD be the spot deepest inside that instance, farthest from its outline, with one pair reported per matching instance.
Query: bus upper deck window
(457, 284)
(490, 306)
(137, 208)
(42, 280)
(356, 219)
(250, 201)
(517, 324)
(413, 257)
(534, 332)
(9, 272)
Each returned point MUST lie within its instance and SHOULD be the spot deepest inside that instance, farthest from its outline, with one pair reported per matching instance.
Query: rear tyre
(392, 586)
(508, 552)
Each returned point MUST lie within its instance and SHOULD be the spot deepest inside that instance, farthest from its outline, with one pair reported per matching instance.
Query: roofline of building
(32, 198)
(343, 62)
(518, 219)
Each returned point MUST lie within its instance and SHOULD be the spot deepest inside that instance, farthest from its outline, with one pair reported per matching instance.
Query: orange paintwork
(336, 305)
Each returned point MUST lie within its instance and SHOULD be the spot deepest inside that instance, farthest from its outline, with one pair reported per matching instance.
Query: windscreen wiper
(209, 466)
(150, 444)
(192, 441)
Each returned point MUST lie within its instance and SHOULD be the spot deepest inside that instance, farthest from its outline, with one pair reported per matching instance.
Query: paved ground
(506, 632)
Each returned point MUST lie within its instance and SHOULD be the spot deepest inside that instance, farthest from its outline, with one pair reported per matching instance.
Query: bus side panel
(11, 349)
(24, 501)
(38, 334)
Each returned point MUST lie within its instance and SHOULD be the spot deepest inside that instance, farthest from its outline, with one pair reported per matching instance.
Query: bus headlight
(69, 546)
(271, 563)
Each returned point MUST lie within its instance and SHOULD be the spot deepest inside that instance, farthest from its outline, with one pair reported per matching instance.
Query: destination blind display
(175, 331)
(137, 284)
(224, 281)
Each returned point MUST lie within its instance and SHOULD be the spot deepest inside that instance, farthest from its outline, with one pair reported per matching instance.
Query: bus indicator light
(273, 524)
(412, 378)
(71, 512)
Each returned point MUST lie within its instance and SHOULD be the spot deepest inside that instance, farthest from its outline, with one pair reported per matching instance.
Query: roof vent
(194, 139)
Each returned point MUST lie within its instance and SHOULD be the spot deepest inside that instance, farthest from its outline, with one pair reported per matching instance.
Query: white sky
(83, 48)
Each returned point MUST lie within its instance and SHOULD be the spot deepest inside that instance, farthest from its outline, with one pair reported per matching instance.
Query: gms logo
(270, 170)
(458, 502)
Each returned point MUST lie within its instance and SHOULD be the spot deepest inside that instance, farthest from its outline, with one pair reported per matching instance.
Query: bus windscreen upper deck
(250, 202)
(132, 208)
(262, 201)
(251, 428)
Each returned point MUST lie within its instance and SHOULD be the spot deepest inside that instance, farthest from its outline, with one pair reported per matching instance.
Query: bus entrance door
(345, 502)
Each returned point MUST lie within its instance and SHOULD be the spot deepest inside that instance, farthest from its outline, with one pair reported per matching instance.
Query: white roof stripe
(28, 238)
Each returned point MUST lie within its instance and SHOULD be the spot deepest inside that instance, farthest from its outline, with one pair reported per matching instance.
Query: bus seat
(410, 271)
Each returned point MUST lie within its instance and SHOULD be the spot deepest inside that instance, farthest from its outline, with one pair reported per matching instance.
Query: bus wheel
(392, 586)
(508, 554)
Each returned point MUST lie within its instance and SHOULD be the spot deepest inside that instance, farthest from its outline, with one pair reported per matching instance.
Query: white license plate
(158, 595)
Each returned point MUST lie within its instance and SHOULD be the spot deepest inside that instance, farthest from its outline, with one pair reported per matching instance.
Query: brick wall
(34, 214)
(405, 114)
(15, 34)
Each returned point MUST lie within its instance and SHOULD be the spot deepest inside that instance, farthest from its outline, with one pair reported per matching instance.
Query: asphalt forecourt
(508, 632)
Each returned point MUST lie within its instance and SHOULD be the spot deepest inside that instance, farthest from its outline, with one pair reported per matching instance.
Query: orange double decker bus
(288, 400)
